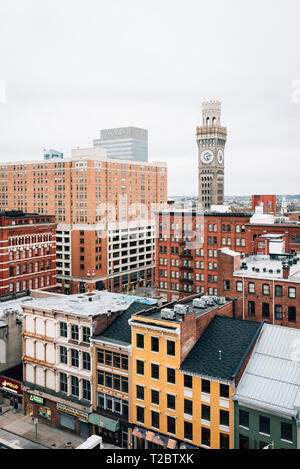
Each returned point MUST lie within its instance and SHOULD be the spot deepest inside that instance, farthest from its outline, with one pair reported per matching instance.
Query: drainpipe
(243, 298)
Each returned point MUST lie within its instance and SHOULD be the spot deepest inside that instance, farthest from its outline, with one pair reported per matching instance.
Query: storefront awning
(186, 446)
(171, 444)
(160, 440)
(104, 422)
(149, 436)
(139, 432)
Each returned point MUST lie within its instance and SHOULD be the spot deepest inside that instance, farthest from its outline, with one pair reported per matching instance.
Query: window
(140, 414)
(124, 362)
(140, 341)
(86, 361)
(140, 393)
(292, 314)
(224, 418)
(205, 436)
(154, 344)
(278, 291)
(86, 333)
(171, 425)
(117, 382)
(63, 355)
(278, 312)
(155, 419)
(264, 425)
(116, 360)
(108, 358)
(140, 368)
(171, 348)
(286, 431)
(154, 397)
(74, 386)
(224, 391)
(251, 287)
(171, 401)
(86, 390)
(125, 385)
(154, 371)
(266, 289)
(100, 378)
(170, 375)
(63, 329)
(243, 442)
(205, 386)
(265, 310)
(226, 285)
(188, 382)
(100, 356)
(292, 292)
(188, 431)
(188, 407)
(108, 380)
(63, 382)
(251, 308)
(205, 412)
(239, 286)
(74, 332)
(74, 358)
(224, 441)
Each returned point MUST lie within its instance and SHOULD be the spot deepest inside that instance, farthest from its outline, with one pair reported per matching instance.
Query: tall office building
(104, 210)
(211, 140)
(126, 143)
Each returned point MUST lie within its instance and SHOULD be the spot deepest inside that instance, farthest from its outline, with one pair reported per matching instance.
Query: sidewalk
(19, 427)
(22, 426)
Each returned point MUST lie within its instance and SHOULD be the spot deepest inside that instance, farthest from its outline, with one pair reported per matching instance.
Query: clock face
(220, 156)
(207, 156)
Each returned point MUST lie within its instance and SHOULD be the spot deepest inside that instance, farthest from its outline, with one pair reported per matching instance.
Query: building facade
(187, 244)
(211, 140)
(267, 397)
(104, 210)
(181, 393)
(126, 143)
(28, 253)
(267, 286)
(57, 370)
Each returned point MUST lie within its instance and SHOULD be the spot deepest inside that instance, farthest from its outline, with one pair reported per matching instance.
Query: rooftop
(120, 331)
(263, 266)
(222, 348)
(271, 380)
(88, 304)
(174, 312)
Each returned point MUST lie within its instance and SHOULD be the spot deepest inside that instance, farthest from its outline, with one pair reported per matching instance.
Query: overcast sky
(72, 67)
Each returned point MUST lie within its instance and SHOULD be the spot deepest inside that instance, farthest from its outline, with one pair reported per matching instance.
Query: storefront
(56, 414)
(10, 388)
(109, 429)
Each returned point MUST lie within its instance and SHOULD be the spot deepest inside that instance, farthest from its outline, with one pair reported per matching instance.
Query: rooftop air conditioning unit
(210, 301)
(197, 303)
(182, 309)
(167, 313)
(222, 300)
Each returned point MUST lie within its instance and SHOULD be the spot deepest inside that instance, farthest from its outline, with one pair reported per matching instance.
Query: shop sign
(36, 399)
(7, 384)
(72, 411)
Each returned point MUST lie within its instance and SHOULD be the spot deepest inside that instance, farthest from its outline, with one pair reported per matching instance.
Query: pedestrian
(11, 401)
(16, 406)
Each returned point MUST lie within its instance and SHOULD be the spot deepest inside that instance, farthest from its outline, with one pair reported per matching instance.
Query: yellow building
(186, 362)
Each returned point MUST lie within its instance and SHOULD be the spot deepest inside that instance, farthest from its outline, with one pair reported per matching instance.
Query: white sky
(72, 67)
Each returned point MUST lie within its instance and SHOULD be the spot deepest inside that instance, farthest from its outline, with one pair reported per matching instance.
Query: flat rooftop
(263, 266)
(88, 304)
(208, 303)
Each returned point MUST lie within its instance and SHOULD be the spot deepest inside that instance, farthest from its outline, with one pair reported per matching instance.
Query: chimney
(285, 271)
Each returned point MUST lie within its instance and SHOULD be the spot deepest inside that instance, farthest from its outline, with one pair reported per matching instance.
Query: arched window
(208, 121)
(214, 121)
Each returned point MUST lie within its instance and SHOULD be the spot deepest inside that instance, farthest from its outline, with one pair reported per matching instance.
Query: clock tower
(211, 140)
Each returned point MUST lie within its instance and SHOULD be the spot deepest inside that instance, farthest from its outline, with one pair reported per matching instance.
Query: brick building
(267, 286)
(28, 252)
(268, 201)
(103, 207)
(187, 244)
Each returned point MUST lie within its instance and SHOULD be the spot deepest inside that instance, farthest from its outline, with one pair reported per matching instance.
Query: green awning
(104, 422)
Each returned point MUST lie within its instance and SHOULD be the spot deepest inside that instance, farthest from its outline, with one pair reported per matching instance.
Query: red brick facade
(28, 252)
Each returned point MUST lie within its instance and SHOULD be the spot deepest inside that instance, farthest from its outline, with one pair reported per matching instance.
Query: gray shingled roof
(232, 337)
(120, 331)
